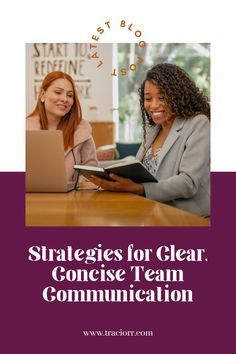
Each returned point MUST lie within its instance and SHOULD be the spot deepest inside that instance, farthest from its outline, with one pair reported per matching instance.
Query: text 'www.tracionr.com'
(118, 333)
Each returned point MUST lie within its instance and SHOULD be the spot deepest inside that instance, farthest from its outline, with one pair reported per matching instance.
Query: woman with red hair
(58, 107)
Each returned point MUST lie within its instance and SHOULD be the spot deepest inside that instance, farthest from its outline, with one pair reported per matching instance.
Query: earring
(42, 100)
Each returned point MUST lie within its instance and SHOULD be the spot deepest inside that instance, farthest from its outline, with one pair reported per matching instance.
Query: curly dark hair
(179, 90)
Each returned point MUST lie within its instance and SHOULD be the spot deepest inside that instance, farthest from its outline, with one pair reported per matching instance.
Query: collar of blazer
(173, 135)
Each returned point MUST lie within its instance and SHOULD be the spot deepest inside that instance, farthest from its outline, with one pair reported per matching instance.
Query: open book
(134, 170)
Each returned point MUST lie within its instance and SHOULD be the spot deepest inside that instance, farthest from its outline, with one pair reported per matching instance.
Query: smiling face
(58, 98)
(156, 105)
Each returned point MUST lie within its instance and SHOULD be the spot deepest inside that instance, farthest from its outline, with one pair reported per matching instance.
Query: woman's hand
(119, 184)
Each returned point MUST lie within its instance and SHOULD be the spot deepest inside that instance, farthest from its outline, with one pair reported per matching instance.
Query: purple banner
(30, 324)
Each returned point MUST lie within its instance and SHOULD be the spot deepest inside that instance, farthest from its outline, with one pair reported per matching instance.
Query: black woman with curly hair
(176, 145)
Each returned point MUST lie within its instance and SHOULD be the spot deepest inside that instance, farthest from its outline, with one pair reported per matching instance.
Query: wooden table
(103, 208)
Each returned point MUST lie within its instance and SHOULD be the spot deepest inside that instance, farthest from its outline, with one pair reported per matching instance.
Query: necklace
(154, 153)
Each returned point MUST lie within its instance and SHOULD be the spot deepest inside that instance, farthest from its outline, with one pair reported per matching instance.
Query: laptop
(45, 162)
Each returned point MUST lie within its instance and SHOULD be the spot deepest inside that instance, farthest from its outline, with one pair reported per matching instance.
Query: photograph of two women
(145, 116)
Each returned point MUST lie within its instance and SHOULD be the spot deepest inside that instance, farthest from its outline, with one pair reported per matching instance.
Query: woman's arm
(119, 184)
(193, 168)
(88, 155)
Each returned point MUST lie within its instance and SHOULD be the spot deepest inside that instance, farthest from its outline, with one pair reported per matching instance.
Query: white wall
(94, 83)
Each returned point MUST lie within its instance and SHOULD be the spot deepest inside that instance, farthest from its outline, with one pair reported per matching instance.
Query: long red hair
(69, 123)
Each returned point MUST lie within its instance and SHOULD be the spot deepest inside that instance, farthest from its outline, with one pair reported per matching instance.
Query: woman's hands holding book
(119, 184)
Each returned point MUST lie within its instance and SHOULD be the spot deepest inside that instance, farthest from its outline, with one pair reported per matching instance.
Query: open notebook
(132, 169)
(45, 162)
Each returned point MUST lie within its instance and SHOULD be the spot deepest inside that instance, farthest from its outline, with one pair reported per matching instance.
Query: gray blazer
(183, 172)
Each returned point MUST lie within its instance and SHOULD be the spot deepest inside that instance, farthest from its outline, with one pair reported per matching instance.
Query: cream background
(172, 21)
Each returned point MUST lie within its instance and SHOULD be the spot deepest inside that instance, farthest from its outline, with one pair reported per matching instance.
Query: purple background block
(31, 325)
